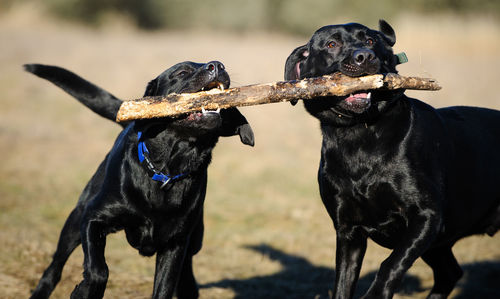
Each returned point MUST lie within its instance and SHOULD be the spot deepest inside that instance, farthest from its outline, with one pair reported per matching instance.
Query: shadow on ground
(300, 279)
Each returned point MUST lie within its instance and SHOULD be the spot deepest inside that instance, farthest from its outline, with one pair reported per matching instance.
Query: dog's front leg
(168, 268)
(351, 249)
(95, 272)
(421, 231)
(187, 287)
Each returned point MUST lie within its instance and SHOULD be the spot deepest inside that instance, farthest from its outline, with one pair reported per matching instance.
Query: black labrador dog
(151, 184)
(394, 169)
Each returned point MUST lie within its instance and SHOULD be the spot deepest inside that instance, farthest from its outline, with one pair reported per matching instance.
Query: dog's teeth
(369, 95)
(203, 110)
(218, 110)
(221, 86)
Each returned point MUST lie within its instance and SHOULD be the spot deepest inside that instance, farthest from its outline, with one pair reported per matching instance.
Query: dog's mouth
(213, 85)
(358, 102)
(353, 70)
(197, 116)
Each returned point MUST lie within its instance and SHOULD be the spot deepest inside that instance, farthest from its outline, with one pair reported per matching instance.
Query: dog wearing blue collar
(152, 184)
(156, 175)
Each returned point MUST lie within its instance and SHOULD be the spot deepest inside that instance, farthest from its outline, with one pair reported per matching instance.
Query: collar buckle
(165, 183)
(156, 175)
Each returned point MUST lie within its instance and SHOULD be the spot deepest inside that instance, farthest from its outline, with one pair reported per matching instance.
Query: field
(267, 233)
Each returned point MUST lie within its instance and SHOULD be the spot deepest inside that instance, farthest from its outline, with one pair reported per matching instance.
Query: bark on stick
(331, 85)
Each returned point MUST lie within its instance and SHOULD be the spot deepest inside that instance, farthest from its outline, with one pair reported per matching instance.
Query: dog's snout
(363, 56)
(214, 66)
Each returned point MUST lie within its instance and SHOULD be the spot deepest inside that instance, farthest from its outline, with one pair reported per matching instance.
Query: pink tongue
(297, 70)
(356, 96)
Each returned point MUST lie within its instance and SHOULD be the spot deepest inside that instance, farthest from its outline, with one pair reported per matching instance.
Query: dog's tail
(95, 98)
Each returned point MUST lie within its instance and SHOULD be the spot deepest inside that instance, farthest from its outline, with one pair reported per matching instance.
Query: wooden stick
(331, 85)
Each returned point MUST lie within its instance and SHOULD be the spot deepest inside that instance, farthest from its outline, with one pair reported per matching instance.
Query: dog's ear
(152, 88)
(387, 32)
(292, 65)
(234, 123)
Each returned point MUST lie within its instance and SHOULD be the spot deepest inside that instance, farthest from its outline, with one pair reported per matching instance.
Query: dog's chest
(148, 233)
(367, 197)
(152, 226)
(139, 232)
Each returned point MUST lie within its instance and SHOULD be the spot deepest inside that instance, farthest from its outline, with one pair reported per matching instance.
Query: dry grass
(267, 233)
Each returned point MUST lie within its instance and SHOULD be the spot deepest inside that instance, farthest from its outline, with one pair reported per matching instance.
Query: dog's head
(189, 77)
(353, 49)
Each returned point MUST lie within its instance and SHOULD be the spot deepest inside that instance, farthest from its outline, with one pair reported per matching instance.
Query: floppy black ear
(297, 56)
(234, 123)
(292, 65)
(387, 31)
(152, 88)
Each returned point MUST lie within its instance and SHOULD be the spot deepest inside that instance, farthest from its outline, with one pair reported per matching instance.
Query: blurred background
(267, 233)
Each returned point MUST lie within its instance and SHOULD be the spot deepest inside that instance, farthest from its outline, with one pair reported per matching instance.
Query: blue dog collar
(155, 174)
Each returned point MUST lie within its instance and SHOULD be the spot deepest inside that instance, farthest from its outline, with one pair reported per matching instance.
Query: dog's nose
(363, 56)
(214, 66)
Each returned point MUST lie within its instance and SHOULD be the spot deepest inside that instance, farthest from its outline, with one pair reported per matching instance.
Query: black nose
(214, 66)
(363, 56)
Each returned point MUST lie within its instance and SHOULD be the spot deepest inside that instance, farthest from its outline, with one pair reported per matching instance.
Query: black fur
(94, 97)
(410, 177)
(122, 195)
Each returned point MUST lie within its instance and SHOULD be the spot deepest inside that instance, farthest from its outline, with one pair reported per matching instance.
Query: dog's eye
(331, 44)
(369, 42)
(182, 73)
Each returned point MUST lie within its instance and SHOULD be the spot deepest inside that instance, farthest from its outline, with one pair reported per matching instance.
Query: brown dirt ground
(267, 233)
